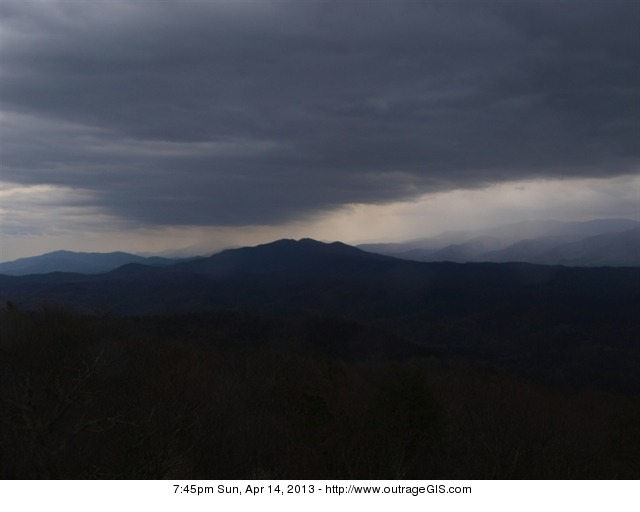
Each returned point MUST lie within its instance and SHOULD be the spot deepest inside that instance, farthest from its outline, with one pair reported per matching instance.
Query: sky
(150, 126)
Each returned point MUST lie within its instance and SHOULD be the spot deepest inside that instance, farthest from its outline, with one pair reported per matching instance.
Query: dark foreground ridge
(235, 395)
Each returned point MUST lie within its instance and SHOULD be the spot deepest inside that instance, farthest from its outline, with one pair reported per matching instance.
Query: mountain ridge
(511, 242)
(77, 262)
(522, 316)
(281, 256)
(540, 242)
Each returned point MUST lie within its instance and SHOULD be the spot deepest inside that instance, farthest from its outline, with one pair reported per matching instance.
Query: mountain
(612, 242)
(80, 262)
(544, 242)
(328, 345)
(614, 249)
(258, 277)
(311, 275)
(561, 324)
(285, 256)
(290, 276)
(458, 253)
(546, 228)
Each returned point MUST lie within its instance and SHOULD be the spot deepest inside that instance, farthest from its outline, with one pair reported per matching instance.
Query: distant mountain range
(80, 262)
(303, 274)
(541, 320)
(148, 285)
(601, 242)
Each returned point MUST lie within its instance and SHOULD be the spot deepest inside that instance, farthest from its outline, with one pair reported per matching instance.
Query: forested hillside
(230, 395)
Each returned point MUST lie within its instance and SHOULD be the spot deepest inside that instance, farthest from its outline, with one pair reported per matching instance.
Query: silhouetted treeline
(234, 395)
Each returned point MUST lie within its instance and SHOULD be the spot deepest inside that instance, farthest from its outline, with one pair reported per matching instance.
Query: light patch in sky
(46, 210)
(503, 203)
(43, 218)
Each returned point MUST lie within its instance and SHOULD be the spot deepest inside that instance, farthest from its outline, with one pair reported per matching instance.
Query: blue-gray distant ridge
(77, 262)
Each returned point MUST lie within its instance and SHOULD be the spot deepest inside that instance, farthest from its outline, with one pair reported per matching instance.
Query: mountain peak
(281, 256)
(293, 242)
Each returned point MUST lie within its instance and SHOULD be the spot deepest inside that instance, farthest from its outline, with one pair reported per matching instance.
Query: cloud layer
(244, 113)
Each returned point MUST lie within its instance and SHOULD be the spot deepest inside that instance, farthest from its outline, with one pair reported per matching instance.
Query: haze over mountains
(600, 242)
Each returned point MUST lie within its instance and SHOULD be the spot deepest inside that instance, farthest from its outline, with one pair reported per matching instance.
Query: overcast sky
(145, 125)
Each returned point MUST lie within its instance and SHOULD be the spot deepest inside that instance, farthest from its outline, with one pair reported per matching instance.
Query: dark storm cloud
(259, 112)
